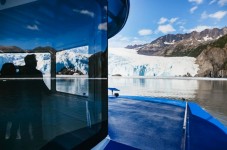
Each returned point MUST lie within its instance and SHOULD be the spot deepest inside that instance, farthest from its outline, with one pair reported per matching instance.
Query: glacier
(75, 58)
(43, 60)
(72, 59)
(127, 63)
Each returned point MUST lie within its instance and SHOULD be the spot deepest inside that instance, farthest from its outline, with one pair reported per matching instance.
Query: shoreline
(177, 78)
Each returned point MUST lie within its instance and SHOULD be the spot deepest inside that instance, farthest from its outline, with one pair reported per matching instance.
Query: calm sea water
(78, 86)
(210, 94)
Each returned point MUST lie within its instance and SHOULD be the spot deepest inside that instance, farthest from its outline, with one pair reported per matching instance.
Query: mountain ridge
(179, 44)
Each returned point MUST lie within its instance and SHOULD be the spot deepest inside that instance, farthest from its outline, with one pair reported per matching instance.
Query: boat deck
(145, 124)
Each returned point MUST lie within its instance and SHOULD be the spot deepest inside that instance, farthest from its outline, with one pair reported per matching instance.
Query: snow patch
(219, 37)
(169, 43)
(207, 38)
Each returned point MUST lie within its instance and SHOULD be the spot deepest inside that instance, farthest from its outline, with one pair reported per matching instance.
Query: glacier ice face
(43, 60)
(76, 58)
(127, 62)
(71, 59)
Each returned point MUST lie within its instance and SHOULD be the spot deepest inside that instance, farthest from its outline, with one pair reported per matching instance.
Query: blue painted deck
(146, 124)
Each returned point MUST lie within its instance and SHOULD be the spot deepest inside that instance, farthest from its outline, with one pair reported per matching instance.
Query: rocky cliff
(213, 59)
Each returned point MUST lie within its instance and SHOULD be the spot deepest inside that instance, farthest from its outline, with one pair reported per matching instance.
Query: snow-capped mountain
(208, 47)
(179, 44)
(126, 62)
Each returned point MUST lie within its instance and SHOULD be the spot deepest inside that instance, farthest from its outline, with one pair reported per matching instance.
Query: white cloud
(193, 9)
(222, 2)
(144, 32)
(181, 22)
(85, 12)
(200, 28)
(33, 27)
(162, 20)
(166, 28)
(123, 41)
(103, 26)
(156, 31)
(204, 15)
(141, 41)
(213, 1)
(182, 28)
(172, 20)
(196, 1)
(218, 15)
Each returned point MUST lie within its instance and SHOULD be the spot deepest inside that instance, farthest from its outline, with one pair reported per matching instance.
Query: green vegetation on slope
(220, 43)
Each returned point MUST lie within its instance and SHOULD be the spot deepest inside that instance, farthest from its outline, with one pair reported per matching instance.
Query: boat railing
(184, 139)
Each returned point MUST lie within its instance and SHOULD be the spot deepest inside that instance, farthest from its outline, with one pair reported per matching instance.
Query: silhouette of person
(8, 105)
(33, 88)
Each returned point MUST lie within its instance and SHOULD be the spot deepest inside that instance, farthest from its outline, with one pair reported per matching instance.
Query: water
(211, 94)
(208, 93)
(69, 84)
(75, 85)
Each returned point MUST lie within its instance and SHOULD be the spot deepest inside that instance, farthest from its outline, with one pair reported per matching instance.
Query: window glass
(72, 70)
(43, 63)
(58, 90)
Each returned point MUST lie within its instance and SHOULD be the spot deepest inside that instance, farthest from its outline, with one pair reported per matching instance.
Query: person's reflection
(33, 88)
(9, 122)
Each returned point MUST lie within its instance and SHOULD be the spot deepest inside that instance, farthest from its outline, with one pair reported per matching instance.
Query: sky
(150, 19)
(60, 24)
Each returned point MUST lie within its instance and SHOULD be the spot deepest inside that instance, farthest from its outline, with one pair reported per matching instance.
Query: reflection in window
(72, 71)
(60, 28)
(43, 63)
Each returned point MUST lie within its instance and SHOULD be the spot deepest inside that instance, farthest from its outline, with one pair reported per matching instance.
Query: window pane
(65, 36)
(72, 71)
(43, 63)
